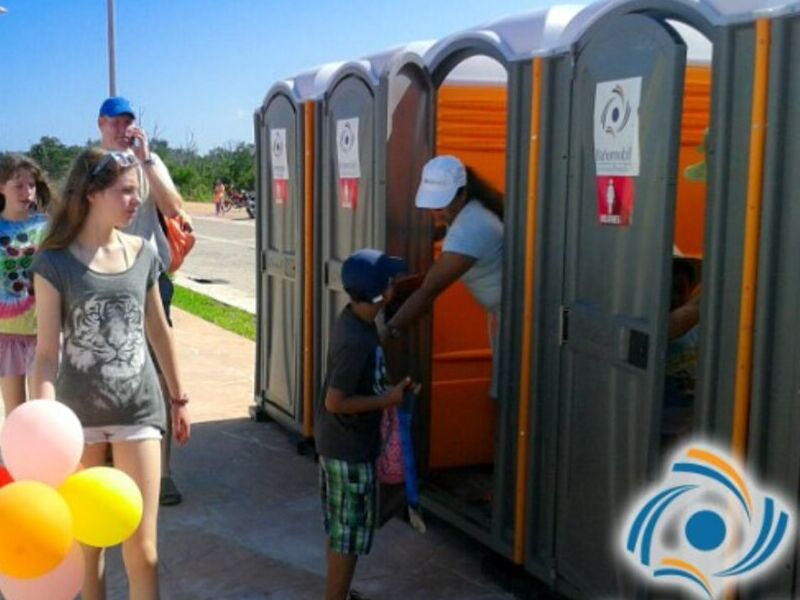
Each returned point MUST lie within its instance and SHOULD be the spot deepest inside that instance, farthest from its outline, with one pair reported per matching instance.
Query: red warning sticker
(348, 193)
(615, 199)
(280, 191)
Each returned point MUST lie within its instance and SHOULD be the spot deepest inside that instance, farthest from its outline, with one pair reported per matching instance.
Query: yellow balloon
(106, 505)
(35, 529)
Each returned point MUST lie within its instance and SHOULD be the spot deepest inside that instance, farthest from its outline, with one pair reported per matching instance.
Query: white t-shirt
(146, 224)
(477, 232)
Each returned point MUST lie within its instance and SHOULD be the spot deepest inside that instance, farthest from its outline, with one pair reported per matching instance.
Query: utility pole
(112, 61)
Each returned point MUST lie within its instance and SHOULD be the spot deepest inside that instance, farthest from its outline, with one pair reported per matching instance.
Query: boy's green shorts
(348, 494)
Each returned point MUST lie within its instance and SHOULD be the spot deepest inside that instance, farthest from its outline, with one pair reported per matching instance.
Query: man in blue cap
(118, 131)
(348, 416)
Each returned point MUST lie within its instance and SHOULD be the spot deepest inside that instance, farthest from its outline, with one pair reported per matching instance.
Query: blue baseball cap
(366, 274)
(116, 106)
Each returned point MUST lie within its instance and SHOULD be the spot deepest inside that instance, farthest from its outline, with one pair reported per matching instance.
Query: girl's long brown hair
(73, 207)
(12, 164)
(483, 191)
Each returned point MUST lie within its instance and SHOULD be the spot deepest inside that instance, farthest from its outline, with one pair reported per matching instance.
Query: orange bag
(180, 237)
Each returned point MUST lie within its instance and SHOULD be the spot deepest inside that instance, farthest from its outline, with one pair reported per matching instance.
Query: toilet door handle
(638, 348)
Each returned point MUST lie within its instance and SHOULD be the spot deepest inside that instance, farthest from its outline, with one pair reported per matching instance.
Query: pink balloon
(62, 583)
(42, 440)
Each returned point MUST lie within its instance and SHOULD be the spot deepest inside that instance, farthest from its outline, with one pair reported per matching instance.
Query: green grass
(233, 319)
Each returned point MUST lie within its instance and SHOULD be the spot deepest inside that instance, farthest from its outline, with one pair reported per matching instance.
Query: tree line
(194, 174)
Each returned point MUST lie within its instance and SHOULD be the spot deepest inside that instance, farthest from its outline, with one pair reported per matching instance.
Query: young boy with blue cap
(348, 415)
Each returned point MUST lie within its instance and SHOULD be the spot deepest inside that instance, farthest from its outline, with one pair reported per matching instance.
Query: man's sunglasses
(122, 159)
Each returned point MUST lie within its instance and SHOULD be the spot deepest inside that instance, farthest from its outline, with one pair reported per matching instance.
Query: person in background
(118, 131)
(472, 211)
(348, 416)
(25, 198)
(219, 194)
(96, 289)
(680, 374)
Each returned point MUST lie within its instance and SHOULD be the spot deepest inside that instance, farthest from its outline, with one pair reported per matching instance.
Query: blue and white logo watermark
(706, 525)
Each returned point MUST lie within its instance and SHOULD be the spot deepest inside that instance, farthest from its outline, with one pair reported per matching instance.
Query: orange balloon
(35, 529)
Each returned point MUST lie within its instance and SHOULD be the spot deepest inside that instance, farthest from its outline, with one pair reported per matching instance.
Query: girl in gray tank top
(96, 288)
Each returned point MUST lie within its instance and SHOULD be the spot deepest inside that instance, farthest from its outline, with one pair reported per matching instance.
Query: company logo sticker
(706, 525)
(346, 137)
(616, 127)
(348, 161)
(616, 113)
(280, 167)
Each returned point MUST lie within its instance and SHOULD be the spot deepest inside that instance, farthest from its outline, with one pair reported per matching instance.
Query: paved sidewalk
(250, 524)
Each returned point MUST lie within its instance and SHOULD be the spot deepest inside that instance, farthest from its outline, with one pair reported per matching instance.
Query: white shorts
(120, 433)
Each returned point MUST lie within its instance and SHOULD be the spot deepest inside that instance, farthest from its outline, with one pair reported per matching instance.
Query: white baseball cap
(442, 177)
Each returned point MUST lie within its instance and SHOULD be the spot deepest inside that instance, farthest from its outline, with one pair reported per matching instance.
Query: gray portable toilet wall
(601, 316)
(773, 449)
(281, 248)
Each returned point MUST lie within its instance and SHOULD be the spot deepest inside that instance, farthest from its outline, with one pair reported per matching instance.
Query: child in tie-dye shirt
(24, 198)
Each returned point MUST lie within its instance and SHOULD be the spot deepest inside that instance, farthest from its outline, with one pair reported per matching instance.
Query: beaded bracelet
(178, 402)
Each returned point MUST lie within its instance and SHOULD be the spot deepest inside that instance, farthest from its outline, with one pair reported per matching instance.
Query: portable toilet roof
(306, 85)
(511, 38)
(381, 62)
(311, 85)
(715, 12)
(325, 78)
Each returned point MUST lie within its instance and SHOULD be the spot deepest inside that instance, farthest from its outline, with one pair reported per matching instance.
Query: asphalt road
(222, 262)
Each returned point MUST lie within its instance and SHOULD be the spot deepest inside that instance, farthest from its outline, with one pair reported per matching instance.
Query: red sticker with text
(615, 196)
(280, 191)
(348, 193)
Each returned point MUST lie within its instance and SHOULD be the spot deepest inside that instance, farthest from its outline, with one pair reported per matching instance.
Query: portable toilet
(770, 433)
(604, 264)
(286, 175)
(469, 458)
(375, 136)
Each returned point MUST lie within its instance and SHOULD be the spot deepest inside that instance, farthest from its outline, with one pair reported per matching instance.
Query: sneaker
(354, 595)
(416, 520)
(169, 496)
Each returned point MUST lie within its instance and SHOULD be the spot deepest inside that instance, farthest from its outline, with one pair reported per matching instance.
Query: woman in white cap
(473, 247)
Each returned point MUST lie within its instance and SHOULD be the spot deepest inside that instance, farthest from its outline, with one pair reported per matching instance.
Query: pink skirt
(16, 354)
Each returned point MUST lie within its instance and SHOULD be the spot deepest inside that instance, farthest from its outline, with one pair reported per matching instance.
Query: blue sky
(196, 69)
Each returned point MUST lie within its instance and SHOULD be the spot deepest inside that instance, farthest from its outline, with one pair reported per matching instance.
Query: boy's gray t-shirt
(356, 367)
(106, 375)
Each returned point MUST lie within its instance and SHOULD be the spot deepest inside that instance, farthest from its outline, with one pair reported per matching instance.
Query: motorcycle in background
(239, 199)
